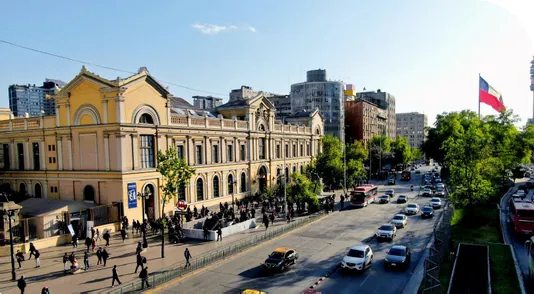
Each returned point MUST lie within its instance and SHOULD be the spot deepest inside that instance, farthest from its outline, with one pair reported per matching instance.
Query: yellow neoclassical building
(101, 146)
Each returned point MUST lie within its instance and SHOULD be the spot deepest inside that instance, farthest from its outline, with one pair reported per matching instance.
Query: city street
(321, 246)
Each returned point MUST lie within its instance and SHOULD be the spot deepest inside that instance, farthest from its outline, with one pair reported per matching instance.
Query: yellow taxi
(281, 258)
(251, 291)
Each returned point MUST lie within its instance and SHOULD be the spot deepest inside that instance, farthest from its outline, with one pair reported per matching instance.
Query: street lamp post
(284, 165)
(143, 196)
(10, 213)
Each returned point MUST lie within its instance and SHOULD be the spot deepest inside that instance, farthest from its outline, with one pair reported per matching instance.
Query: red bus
(363, 195)
(522, 216)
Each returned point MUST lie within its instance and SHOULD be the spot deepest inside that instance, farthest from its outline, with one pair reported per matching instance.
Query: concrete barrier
(227, 231)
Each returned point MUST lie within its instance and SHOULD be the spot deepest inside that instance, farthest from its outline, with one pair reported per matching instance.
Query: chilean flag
(490, 96)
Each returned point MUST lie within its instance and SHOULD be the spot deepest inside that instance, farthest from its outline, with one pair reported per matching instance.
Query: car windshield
(397, 251)
(277, 255)
(384, 197)
(427, 209)
(435, 200)
(355, 253)
(386, 228)
(402, 197)
(398, 217)
(412, 206)
(389, 191)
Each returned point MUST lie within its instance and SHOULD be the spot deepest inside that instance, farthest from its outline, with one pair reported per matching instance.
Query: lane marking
(365, 280)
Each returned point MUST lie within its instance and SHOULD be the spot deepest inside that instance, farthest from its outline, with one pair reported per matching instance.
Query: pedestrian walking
(342, 201)
(74, 241)
(93, 244)
(93, 232)
(32, 251)
(288, 217)
(144, 278)
(97, 235)
(265, 221)
(20, 258)
(205, 233)
(99, 256)
(187, 256)
(272, 218)
(45, 290)
(219, 233)
(86, 260)
(134, 226)
(123, 234)
(106, 238)
(139, 261)
(37, 254)
(115, 276)
(105, 256)
(65, 259)
(21, 283)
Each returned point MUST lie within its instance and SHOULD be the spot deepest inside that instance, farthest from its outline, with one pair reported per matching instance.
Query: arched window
(22, 189)
(181, 192)
(262, 128)
(230, 184)
(216, 187)
(37, 191)
(146, 118)
(243, 182)
(200, 189)
(302, 169)
(89, 193)
(294, 169)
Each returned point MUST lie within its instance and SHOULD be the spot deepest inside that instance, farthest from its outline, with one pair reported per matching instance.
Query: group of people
(19, 256)
(21, 284)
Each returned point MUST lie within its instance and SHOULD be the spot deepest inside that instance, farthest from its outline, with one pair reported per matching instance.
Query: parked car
(398, 256)
(400, 220)
(383, 199)
(402, 199)
(390, 193)
(412, 208)
(427, 212)
(427, 192)
(388, 231)
(436, 203)
(359, 258)
(281, 258)
(391, 181)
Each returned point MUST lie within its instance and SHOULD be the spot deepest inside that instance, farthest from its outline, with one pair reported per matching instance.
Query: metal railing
(167, 274)
(438, 251)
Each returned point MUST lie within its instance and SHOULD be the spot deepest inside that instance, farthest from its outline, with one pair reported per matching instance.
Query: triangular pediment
(84, 76)
(259, 100)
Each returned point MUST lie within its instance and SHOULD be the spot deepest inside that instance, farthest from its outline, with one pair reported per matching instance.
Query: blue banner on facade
(132, 195)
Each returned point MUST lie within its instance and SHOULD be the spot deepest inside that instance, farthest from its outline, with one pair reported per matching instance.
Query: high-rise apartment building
(327, 96)
(33, 99)
(412, 125)
(364, 120)
(385, 101)
(282, 104)
(207, 102)
(246, 92)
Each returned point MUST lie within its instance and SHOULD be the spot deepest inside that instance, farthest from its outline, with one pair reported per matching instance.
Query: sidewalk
(122, 254)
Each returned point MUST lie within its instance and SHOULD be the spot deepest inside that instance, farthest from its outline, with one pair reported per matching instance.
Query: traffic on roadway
(372, 249)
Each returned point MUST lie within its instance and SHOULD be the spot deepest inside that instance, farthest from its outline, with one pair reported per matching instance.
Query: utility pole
(284, 165)
(345, 159)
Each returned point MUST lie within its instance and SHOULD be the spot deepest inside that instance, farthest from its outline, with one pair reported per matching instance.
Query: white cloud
(212, 29)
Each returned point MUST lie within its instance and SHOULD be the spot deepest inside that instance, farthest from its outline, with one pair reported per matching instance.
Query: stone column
(57, 115)
(135, 152)
(118, 150)
(188, 152)
(222, 149)
(59, 144)
(206, 149)
(27, 165)
(105, 108)
(69, 152)
(42, 155)
(236, 148)
(13, 154)
(106, 151)
(68, 114)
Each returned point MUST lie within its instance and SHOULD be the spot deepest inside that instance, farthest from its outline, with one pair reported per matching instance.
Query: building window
(302, 169)
(20, 152)
(261, 147)
(242, 152)
(230, 184)
(243, 182)
(287, 151)
(200, 189)
(278, 151)
(5, 156)
(215, 153)
(53, 189)
(181, 192)
(198, 154)
(230, 151)
(301, 150)
(147, 152)
(308, 149)
(180, 151)
(146, 119)
(278, 177)
(89, 193)
(294, 150)
(36, 162)
(216, 187)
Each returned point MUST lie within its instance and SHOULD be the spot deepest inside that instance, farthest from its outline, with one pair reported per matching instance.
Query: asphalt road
(321, 247)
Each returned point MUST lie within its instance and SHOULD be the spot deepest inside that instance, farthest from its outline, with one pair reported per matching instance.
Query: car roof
(384, 196)
(282, 249)
(435, 198)
(402, 196)
(361, 247)
(415, 204)
(399, 247)
(385, 225)
(400, 214)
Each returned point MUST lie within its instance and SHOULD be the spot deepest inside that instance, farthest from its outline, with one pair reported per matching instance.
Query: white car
(427, 192)
(400, 220)
(440, 186)
(359, 258)
(436, 203)
(412, 208)
(440, 192)
(387, 231)
(521, 193)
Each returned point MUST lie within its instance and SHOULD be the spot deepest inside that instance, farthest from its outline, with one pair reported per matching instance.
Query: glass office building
(32, 99)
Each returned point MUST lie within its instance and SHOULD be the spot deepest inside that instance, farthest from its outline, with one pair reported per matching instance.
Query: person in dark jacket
(139, 261)
(139, 248)
(105, 256)
(123, 234)
(187, 256)
(65, 260)
(88, 242)
(21, 283)
(144, 277)
(219, 233)
(106, 238)
(45, 290)
(20, 258)
(32, 250)
(115, 276)
(86, 260)
(37, 254)
(74, 241)
(265, 221)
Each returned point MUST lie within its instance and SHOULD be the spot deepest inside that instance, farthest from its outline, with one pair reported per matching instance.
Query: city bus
(522, 216)
(529, 244)
(363, 195)
(406, 175)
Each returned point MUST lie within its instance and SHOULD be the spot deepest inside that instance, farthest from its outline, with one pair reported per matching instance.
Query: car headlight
(386, 259)
(360, 263)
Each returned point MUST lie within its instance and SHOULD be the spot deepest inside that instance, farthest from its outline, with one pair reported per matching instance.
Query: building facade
(282, 104)
(385, 101)
(33, 99)
(101, 146)
(207, 102)
(412, 125)
(364, 120)
(327, 96)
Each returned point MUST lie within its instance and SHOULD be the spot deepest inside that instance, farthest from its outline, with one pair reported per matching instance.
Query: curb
(330, 272)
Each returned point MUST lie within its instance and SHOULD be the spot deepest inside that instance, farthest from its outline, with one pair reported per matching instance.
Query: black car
(280, 259)
(390, 193)
(402, 199)
(398, 257)
(427, 212)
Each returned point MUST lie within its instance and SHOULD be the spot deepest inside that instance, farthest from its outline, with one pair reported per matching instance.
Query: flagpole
(478, 95)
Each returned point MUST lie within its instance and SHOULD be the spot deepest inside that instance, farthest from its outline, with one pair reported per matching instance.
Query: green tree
(356, 154)
(175, 174)
(380, 147)
(417, 154)
(329, 164)
(402, 151)
(301, 190)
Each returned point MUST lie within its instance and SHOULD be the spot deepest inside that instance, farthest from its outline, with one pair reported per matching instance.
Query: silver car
(400, 220)
(412, 208)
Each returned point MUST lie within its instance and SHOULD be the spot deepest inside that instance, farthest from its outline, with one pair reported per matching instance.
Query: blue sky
(426, 53)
